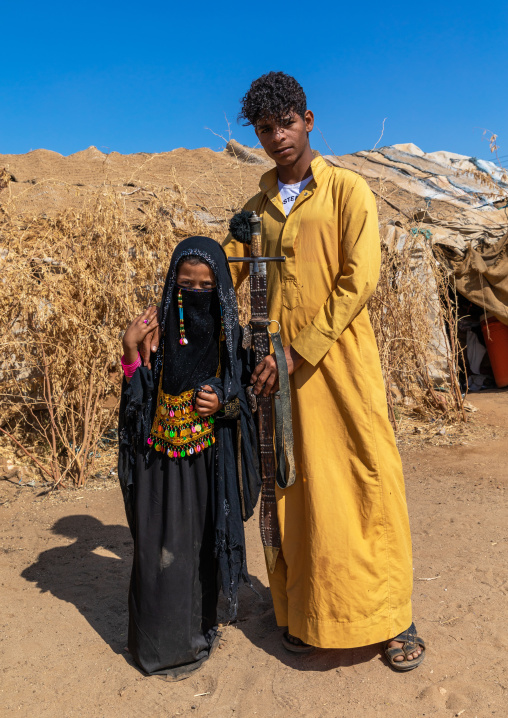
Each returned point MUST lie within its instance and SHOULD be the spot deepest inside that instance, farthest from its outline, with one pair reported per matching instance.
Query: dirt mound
(216, 183)
(41, 154)
(247, 154)
(92, 153)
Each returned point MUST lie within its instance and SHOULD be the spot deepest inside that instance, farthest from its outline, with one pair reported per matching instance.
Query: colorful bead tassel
(183, 339)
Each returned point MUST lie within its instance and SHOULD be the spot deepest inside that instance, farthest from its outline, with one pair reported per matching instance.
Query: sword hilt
(255, 236)
(250, 226)
(256, 261)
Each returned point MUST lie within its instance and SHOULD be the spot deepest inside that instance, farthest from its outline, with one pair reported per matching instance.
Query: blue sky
(131, 76)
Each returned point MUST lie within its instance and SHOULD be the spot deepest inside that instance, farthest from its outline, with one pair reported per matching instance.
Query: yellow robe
(344, 575)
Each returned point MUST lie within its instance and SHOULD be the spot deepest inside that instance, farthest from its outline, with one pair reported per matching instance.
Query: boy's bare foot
(406, 651)
(410, 657)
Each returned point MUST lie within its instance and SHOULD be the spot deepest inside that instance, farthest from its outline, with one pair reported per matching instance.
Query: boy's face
(285, 141)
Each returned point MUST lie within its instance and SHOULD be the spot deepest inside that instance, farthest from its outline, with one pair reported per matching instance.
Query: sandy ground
(65, 562)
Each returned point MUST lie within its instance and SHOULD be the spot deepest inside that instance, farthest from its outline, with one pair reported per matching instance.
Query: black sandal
(294, 644)
(411, 642)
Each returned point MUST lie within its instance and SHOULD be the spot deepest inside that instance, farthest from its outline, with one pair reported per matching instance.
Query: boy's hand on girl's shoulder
(146, 323)
(207, 402)
(151, 341)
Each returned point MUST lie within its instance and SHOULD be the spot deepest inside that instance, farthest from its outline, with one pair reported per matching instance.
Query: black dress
(186, 513)
(174, 583)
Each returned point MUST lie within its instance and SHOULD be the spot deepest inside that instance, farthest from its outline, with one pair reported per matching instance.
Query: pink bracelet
(129, 369)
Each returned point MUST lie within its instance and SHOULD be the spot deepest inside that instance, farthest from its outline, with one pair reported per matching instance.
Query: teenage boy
(343, 577)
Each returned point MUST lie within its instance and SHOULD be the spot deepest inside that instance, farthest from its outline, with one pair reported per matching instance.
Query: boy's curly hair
(272, 95)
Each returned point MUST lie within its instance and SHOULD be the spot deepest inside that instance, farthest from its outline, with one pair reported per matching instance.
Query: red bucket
(496, 341)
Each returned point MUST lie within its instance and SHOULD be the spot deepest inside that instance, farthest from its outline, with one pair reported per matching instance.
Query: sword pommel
(246, 228)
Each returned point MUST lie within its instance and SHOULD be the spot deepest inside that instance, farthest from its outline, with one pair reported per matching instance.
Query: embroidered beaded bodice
(178, 430)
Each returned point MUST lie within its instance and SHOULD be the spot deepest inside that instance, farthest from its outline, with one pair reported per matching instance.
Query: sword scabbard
(259, 323)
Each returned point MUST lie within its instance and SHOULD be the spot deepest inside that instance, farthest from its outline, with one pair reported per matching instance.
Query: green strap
(284, 443)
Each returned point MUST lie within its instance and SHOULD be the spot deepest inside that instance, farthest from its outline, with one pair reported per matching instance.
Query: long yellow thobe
(343, 577)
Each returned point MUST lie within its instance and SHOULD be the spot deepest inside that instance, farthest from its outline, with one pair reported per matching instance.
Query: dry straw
(70, 286)
(413, 313)
(72, 283)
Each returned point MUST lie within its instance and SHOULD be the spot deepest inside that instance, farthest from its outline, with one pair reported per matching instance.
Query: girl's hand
(137, 331)
(207, 404)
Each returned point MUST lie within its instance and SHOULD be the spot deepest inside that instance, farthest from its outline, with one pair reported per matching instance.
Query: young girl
(184, 495)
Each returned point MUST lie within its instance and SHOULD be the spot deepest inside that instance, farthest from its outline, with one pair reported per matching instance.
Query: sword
(276, 462)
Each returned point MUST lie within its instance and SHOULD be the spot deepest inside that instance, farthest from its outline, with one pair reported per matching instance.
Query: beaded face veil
(183, 341)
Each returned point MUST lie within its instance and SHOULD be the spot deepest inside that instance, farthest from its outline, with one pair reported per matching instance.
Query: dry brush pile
(70, 286)
(414, 317)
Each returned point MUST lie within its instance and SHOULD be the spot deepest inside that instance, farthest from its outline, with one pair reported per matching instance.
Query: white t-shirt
(289, 193)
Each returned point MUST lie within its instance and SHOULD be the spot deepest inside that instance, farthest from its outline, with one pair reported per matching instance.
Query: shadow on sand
(256, 620)
(96, 584)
